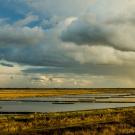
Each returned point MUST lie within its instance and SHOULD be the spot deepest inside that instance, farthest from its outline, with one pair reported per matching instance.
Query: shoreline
(77, 111)
(118, 120)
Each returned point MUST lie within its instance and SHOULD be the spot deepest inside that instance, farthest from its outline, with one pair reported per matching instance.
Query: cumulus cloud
(111, 27)
(71, 38)
(84, 31)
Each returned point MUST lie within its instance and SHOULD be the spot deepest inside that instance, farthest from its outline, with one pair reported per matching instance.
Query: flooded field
(68, 102)
(65, 112)
(13, 106)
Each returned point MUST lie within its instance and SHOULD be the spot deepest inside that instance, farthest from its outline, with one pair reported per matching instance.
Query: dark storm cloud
(82, 32)
(115, 33)
(105, 25)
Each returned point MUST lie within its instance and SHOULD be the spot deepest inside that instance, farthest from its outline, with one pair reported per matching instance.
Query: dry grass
(98, 122)
(93, 122)
(13, 93)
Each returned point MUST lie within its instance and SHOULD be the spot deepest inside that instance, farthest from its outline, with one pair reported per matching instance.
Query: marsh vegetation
(22, 93)
(116, 121)
(92, 122)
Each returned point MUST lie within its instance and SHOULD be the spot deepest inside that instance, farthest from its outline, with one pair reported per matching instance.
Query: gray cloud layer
(89, 32)
(11, 35)
(78, 37)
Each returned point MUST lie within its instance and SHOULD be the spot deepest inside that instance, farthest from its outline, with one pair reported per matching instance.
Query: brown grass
(16, 93)
(98, 122)
(12, 94)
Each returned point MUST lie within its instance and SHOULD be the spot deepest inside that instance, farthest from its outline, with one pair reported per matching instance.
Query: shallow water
(125, 99)
(45, 104)
(17, 106)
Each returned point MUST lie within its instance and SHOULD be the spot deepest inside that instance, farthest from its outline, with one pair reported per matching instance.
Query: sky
(67, 43)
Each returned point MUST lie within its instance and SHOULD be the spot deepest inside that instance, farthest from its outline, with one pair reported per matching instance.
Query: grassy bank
(17, 93)
(93, 122)
(12, 94)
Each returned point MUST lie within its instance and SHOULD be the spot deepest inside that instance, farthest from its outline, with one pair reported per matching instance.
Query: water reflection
(13, 106)
(68, 103)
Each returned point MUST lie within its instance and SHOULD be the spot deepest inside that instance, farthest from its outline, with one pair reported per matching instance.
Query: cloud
(27, 20)
(83, 31)
(10, 35)
(67, 43)
(107, 55)
(59, 7)
(6, 64)
(8, 68)
(109, 27)
(61, 81)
